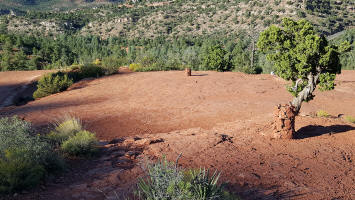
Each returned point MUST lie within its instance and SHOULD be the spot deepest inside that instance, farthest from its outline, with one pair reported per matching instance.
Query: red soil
(220, 121)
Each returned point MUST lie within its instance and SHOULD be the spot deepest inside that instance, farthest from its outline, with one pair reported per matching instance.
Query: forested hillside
(157, 33)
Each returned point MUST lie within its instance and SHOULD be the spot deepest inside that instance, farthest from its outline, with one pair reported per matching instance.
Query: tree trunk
(188, 71)
(306, 93)
(284, 116)
(252, 54)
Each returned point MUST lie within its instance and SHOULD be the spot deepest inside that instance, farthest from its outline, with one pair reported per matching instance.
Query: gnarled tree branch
(307, 91)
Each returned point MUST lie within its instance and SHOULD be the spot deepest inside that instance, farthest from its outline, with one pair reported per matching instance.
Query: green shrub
(52, 83)
(134, 67)
(214, 59)
(91, 71)
(83, 143)
(167, 181)
(350, 119)
(18, 172)
(64, 130)
(112, 64)
(203, 185)
(24, 157)
(322, 113)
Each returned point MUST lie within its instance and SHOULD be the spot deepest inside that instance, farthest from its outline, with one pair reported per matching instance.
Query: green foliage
(25, 158)
(52, 83)
(322, 113)
(57, 82)
(298, 52)
(350, 119)
(326, 81)
(18, 173)
(83, 143)
(111, 64)
(167, 181)
(64, 130)
(347, 41)
(241, 60)
(135, 67)
(70, 137)
(90, 71)
(204, 185)
(214, 59)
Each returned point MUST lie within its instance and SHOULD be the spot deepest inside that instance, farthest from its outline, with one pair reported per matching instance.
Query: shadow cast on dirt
(17, 94)
(199, 75)
(317, 130)
(262, 193)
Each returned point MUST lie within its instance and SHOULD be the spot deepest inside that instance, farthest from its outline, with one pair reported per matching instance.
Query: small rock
(128, 142)
(131, 154)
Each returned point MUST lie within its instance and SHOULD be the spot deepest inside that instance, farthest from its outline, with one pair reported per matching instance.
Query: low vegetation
(82, 143)
(64, 130)
(60, 81)
(52, 83)
(25, 157)
(167, 181)
(350, 119)
(70, 137)
(322, 113)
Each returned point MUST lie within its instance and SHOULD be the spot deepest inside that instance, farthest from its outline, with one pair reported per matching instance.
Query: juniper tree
(302, 56)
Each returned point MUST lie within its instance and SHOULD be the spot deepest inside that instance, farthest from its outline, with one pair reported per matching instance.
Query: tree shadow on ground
(317, 130)
(199, 74)
(262, 193)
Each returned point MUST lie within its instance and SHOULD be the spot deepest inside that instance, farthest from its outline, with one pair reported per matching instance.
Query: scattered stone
(148, 141)
(131, 154)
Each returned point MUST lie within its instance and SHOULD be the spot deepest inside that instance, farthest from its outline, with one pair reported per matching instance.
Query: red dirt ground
(216, 120)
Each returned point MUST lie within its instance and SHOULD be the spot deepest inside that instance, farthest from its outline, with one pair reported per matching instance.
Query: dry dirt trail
(216, 120)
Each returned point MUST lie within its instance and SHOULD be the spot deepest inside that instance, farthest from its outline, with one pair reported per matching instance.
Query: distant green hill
(149, 19)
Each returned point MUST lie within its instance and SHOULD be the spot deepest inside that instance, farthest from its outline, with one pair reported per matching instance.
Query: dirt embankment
(16, 88)
(216, 120)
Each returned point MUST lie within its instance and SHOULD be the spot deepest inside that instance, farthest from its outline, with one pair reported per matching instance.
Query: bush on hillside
(25, 158)
(52, 83)
(90, 71)
(83, 143)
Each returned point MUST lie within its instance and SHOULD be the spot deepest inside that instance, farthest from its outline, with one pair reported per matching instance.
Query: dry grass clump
(70, 137)
(350, 119)
(322, 113)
